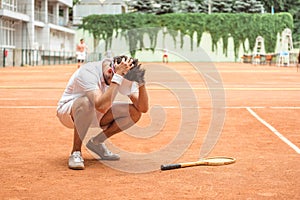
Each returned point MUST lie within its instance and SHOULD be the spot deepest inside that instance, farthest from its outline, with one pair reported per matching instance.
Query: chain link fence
(29, 57)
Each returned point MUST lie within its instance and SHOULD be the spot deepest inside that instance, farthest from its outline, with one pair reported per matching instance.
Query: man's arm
(141, 101)
(103, 101)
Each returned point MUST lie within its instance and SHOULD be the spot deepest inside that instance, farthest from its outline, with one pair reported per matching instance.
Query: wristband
(117, 79)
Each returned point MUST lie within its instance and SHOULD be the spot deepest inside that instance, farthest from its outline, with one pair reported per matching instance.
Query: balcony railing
(61, 21)
(16, 7)
(30, 57)
(39, 16)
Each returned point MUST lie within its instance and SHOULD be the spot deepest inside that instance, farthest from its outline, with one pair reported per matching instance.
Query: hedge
(220, 26)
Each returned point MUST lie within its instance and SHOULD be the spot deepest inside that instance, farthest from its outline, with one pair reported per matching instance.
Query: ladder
(286, 49)
(259, 51)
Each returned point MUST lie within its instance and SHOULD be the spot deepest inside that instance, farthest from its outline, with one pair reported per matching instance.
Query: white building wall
(31, 29)
(37, 25)
(90, 7)
(30, 24)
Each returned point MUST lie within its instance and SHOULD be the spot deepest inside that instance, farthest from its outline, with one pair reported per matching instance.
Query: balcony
(14, 11)
(61, 21)
(16, 7)
(68, 3)
(39, 16)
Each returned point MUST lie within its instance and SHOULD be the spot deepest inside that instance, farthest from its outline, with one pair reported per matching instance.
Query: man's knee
(82, 104)
(134, 113)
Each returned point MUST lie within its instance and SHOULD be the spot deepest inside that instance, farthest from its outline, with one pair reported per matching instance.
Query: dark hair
(118, 59)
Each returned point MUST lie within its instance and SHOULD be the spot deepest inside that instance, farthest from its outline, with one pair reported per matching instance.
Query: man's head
(108, 71)
(81, 40)
(119, 59)
(108, 67)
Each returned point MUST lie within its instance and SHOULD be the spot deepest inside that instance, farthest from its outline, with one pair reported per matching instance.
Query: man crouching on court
(89, 96)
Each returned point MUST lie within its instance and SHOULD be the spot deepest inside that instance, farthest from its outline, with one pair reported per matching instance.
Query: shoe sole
(76, 167)
(91, 148)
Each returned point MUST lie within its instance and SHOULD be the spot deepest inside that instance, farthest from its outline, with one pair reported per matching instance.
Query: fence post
(30, 56)
(37, 57)
(14, 57)
(22, 57)
(4, 57)
(54, 59)
(69, 57)
(26, 61)
(49, 57)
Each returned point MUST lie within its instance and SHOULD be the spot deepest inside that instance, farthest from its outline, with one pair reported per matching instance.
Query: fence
(25, 57)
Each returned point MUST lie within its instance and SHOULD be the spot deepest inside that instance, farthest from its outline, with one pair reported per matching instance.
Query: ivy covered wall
(221, 26)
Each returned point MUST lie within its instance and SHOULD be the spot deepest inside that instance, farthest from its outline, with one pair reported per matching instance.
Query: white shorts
(80, 55)
(64, 115)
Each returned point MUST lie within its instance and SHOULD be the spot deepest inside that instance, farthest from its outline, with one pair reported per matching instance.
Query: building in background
(90, 7)
(32, 31)
(95, 7)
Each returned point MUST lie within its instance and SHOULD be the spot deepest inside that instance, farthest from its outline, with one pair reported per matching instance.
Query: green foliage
(76, 2)
(221, 26)
(290, 6)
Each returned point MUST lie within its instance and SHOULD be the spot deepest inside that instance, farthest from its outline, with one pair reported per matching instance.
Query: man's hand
(136, 73)
(123, 66)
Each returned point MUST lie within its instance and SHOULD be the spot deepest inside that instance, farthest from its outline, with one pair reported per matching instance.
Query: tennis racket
(213, 161)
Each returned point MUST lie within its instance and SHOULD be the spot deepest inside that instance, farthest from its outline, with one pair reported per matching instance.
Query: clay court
(261, 130)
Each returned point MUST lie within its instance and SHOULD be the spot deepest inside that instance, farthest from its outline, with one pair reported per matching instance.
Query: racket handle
(170, 166)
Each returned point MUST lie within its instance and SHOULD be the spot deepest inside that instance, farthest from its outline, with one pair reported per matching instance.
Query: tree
(224, 6)
(277, 5)
(164, 6)
(248, 6)
(186, 6)
(145, 6)
(231, 6)
(76, 2)
(291, 6)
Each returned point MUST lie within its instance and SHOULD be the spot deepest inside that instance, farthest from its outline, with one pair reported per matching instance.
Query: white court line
(284, 139)
(282, 107)
(31, 99)
(28, 107)
(211, 78)
(173, 107)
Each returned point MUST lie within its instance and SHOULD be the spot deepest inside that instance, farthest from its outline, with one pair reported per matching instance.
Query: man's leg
(119, 118)
(82, 114)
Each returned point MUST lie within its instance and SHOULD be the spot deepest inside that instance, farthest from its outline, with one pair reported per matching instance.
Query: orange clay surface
(35, 146)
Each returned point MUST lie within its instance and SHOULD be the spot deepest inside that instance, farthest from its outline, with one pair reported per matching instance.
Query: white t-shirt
(89, 77)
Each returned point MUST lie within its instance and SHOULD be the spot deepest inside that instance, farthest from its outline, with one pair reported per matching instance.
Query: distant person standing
(165, 56)
(81, 51)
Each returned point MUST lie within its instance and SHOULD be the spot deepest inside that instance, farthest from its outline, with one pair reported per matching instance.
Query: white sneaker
(102, 151)
(76, 161)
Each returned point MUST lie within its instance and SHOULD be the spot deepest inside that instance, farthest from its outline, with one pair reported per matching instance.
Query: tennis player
(88, 100)
(81, 51)
(165, 56)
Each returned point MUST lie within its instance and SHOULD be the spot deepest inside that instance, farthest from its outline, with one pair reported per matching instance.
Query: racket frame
(204, 162)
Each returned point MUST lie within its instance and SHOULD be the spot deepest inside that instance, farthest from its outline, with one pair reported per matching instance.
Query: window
(7, 30)
(9, 4)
